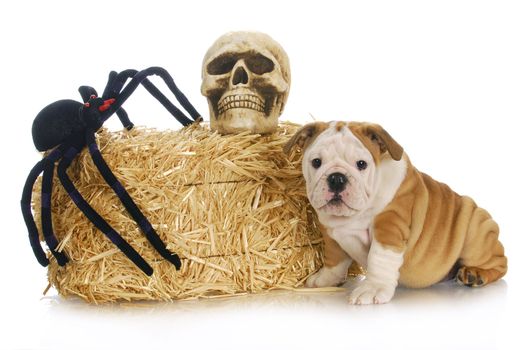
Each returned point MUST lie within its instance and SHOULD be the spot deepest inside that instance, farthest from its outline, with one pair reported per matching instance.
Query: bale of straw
(233, 207)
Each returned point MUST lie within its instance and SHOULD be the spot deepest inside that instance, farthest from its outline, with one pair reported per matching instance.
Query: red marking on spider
(107, 104)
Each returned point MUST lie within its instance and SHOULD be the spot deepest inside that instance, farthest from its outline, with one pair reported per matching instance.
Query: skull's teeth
(241, 101)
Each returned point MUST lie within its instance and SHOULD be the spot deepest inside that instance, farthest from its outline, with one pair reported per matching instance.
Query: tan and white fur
(377, 209)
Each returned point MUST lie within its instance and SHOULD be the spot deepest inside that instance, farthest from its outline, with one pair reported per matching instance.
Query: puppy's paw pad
(471, 276)
(371, 293)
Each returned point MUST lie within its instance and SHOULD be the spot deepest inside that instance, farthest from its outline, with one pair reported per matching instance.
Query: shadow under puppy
(375, 207)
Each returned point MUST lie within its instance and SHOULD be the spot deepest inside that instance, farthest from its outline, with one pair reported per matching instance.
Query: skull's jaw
(241, 101)
(240, 111)
(236, 120)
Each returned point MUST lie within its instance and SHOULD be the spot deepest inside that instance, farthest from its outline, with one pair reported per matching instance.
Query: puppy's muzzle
(337, 182)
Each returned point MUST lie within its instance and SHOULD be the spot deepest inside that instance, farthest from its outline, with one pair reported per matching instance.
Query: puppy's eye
(316, 163)
(361, 164)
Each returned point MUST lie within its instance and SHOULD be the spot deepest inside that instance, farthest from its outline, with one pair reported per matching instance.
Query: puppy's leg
(483, 259)
(335, 267)
(382, 276)
(389, 236)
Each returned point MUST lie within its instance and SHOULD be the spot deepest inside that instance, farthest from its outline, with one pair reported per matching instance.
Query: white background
(445, 78)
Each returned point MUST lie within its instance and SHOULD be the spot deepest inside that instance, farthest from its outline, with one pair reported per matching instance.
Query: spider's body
(68, 119)
(64, 128)
(55, 123)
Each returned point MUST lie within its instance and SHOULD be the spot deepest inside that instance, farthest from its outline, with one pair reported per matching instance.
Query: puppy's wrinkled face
(340, 163)
(339, 172)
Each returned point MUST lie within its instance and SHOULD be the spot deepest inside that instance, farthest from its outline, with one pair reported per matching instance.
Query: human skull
(246, 79)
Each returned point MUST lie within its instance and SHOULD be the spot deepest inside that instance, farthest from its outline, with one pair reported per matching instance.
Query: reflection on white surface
(441, 295)
(445, 315)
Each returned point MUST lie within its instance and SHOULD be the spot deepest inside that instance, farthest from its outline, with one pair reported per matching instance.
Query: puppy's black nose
(337, 182)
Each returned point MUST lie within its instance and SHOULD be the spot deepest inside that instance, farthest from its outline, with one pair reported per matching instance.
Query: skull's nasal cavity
(240, 76)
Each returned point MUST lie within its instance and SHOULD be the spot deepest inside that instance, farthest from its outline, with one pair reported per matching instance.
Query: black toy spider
(64, 128)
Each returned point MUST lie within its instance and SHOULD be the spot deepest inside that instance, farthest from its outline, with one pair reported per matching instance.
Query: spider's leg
(169, 81)
(128, 203)
(124, 118)
(25, 202)
(112, 89)
(141, 78)
(175, 111)
(46, 216)
(110, 84)
(93, 216)
(116, 83)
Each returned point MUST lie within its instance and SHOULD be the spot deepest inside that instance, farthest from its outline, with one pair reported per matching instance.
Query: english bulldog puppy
(398, 223)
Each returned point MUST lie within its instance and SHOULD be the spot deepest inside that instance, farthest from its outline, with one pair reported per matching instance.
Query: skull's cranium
(246, 79)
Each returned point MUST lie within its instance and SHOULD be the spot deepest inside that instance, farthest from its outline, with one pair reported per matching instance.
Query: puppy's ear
(305, 136)
(378, 137)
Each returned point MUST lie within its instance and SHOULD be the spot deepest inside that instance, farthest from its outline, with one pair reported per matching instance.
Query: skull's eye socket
(221, 65)
(259, 64)
(316, 163)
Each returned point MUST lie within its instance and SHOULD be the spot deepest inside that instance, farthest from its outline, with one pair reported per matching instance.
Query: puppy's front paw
(326, 277)
(369, 292)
